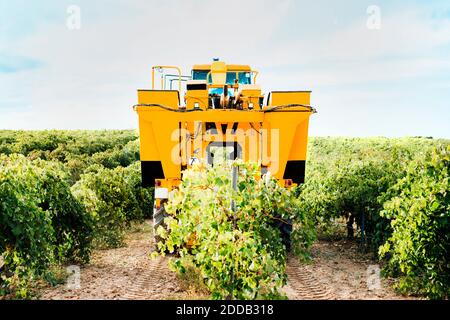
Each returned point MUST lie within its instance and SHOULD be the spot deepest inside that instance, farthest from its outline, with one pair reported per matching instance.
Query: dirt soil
(337, 271)
(126, 273)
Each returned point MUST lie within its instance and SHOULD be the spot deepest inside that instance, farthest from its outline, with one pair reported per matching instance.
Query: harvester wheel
(286, 230)
(285, 227)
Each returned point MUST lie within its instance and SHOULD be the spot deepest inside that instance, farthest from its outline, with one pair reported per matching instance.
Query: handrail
(256, 74)
(171, 80)
(176, 76)
(166, 67)
(168, 79)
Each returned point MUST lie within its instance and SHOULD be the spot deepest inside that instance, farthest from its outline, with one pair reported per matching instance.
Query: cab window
(243, 77)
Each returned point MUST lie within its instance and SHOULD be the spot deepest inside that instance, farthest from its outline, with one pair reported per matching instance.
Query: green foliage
(118, 156)
(418, 207)
(56, 144)
(346, 176)
(76, 149)
(114, 198)
(41, 223)
(144, 196)
(401, 188)
(350, 189)
(69, 188)
(239, 254)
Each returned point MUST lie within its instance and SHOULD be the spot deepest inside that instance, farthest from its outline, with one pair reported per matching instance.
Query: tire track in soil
(125, 273)
(129, 273)
(155, 281)
(303, 284)
(151, 283)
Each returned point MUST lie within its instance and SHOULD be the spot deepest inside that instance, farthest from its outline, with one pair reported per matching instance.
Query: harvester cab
(222, 108)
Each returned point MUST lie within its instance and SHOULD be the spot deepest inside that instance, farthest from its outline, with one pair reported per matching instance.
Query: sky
(375, 68)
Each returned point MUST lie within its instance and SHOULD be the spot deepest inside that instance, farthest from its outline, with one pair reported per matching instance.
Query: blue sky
(392, 81)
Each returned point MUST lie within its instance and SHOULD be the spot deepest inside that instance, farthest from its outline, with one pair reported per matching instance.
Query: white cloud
(406, 46)
(89, 78)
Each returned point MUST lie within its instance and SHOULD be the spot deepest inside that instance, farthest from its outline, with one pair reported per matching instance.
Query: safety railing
(160, 69)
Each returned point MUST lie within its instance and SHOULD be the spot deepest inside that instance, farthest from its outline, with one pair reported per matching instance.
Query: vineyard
(67, 194)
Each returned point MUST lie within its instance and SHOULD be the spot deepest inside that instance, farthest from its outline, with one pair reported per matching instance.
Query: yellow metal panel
(287, 130)
(148, 149)
(201, 67)
(285, 123)
(169, 98)
(300, 142)
(218, 72)
(167, 142)
(238, 67)
(253, 93)
(289, 97)
(199, 96)
(230, 67)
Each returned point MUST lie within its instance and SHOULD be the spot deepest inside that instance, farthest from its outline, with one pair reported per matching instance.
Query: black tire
(285, 227)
